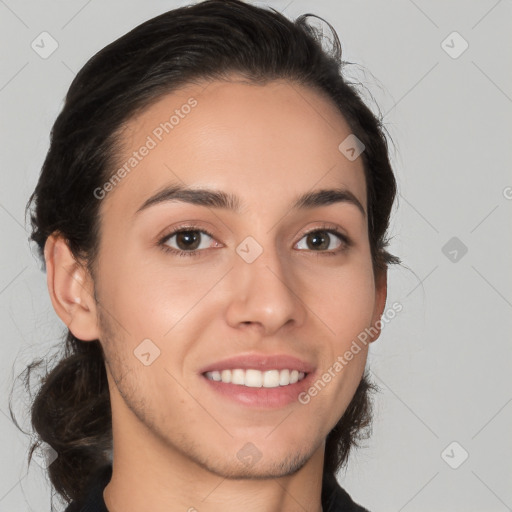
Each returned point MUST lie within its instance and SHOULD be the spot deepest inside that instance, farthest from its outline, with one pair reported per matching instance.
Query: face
(194, 290)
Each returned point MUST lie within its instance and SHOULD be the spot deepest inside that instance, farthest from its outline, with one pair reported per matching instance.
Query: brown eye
(318, 240)
(188, 240)
(324, 240)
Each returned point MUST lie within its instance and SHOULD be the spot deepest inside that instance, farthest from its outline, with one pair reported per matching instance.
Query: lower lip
(270, 398)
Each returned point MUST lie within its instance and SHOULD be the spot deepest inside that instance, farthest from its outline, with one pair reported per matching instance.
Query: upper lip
(260, 362)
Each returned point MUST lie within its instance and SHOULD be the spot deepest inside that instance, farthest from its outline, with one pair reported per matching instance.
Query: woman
(212, 215)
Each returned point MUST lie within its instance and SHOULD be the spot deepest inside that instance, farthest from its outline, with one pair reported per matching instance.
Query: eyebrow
(226, 201)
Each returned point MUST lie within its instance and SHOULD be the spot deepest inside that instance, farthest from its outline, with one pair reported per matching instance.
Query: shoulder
(336, 499)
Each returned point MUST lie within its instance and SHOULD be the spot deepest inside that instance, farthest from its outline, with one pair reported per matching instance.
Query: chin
(251, 464)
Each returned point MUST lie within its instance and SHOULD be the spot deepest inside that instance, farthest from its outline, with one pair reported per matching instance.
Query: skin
(176, 440)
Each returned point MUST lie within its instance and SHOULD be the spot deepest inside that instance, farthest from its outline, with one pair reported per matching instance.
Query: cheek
(150, 297)
(343, 298)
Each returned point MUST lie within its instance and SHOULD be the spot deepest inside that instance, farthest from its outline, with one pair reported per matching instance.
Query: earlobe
(71, 289)
(381, 291)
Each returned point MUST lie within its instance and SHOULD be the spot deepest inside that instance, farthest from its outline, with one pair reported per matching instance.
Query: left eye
(321, 239)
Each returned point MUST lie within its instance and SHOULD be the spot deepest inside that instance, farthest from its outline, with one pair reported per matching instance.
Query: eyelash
(346, 242)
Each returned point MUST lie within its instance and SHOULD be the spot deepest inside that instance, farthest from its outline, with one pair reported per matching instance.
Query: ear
(71, 289)
(381, 292)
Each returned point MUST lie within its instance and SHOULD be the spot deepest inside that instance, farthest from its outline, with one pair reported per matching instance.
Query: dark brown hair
(206, 41)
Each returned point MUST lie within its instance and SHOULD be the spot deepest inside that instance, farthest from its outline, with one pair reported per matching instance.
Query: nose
(264, 295)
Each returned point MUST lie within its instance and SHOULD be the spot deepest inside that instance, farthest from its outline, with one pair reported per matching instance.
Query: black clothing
(334, 497)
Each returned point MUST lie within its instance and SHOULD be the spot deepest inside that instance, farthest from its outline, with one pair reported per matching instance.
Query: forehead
(251, 140)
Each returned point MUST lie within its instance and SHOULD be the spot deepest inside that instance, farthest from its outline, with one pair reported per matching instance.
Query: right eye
(189, 241)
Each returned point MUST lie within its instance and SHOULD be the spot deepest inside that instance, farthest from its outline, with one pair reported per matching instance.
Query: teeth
(271, 379)
(253, 378)
(284, 377)
(256, 378)
(237, 377)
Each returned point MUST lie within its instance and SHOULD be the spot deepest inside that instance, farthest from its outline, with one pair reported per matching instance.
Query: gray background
(443, 363)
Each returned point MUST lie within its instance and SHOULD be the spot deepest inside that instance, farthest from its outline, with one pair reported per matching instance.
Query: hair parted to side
(205, 41)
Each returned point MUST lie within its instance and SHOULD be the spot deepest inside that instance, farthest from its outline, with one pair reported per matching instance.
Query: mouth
(253, 378)
(259, 380)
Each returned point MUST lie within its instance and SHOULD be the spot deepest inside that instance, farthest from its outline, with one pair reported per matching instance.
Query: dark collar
(334, 497)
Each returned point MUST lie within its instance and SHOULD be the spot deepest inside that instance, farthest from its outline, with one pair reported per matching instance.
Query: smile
(255, 378)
